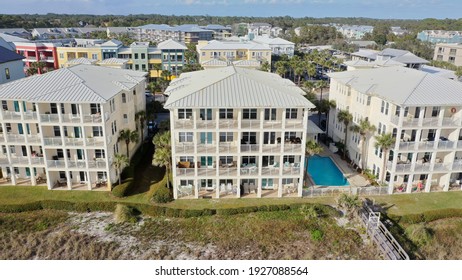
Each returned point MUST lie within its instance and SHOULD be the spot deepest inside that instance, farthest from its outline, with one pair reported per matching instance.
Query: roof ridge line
(413, 90)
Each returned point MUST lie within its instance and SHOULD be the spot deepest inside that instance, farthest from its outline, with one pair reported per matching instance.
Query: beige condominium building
(451, 53)
(422, 111)
(61, 128)
(237, 132)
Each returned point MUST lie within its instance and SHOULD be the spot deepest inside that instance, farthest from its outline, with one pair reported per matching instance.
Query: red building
(34, 52)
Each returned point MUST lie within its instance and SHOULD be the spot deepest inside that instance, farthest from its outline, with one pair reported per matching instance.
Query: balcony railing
(271, 148)
(77, 164)
(208, 124)
(94, 118)
(37, 160)
(227, 147)
(272, 124)
(446, 145)
(206, 171)
(184, 172)
(269, 170)
(20, 138)
(71, 118)
(184, 124)
(49, 118)
(248, 148)
(95, 141)
(53, 141)
(60, 163)
(11, 115)
(98, 163)
(19, 160)
(228, 171)
(184, 148)
(228, 123)
(426, 122)
(74, 141)
(294, 124)
(292, 148)
(206, 148)
(251, 124)
(290, 170)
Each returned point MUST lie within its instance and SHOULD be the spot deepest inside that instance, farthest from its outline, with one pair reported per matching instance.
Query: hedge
(159, 192)
(123, 189)
(154, 210)
(429, 216)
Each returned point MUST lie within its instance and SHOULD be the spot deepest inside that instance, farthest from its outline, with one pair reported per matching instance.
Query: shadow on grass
(145, 173)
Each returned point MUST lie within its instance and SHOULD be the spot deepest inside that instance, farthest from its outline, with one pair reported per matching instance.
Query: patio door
(207, 161)
(267, 183)
(83, 176)
(269, 138)
(206, 114)
(74, 109)
(206, 137)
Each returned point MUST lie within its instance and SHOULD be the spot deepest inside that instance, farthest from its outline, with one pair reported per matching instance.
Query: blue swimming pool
(325, 173)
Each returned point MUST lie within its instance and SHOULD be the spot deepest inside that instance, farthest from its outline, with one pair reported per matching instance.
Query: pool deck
(355, 179)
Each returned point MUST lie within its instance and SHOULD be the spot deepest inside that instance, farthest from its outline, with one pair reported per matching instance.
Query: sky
(384, 9)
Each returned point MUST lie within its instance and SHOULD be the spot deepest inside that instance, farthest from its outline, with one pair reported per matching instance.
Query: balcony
(184, 148)
(74, 141)
(227, 124)
(271, 148)
(228, 171)
(206, 148)
(95, 141)
(47, 118)
(292, 148)
(272, 125)
(99, 163)
(292, 169)
(251, 124)
(15, 138)
(94, 118)
(184, 124)
(70, 118)
(77, 164)
(208, 124)
(52, 141)
(249, 148)
(59, 163)
(11, 115)
(227, 147)
(206, 171)
(270, 170)
(429, 145)
(184, 172)
(426, 122)
(294, 124)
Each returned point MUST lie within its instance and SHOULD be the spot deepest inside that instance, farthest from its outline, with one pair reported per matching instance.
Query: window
(206, 137)
(4, 105)
(379, 128)
(290, 135)
(435, 111)
(99, 153)
(94, 56)
(226, 113)
(397, 111)
(387, 105)
(452, 59)
(97, 131)
(7, 73)
(101, 175)
(124, 98)
(136, 56)
(61, 55)
(291, 113)
(226, 159)
(125, 118)
(184, 113)
(382, 108)
(249, 138)
(249, 159)
(57, 131)
(8, 127)
(290, 159)
(249, 114)
(206, 114)
(96, 108)
(137, 67)
(226, 137)
(53, 108)
(143, 56)
(185, 137)
(270, 114)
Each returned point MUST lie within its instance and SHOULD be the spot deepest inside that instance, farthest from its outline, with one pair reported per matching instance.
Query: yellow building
(66, 54)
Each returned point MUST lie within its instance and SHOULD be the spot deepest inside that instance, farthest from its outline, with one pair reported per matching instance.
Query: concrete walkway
(355, 179)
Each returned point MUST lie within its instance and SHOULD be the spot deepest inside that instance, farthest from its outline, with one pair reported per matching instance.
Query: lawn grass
(404, 204)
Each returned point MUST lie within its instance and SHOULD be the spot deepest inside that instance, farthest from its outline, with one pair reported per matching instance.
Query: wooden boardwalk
(380, 235)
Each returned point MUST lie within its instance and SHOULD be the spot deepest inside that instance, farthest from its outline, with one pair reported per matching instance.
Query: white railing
(19, 160)
(53, 141)
(49, 118)
(34, 139)
(77, 164)
(95, 141)
(37, 160)
(16, 138)
(451, 122)
(60, 163)
(251, 124)
(11, 115)
(71, 118)
(271, 148)
(445, 144)
(290, 170)
(228, 171)
(95, 118)
(98, 163)
(184, 124)
(207, 124)
(185, 172)
(228, 124)
(206, 148)
(272, 124)
(294, 124)
(227, 147)
(185, 147)
(247, 148)
(206, 171)
(30, 115)
(292, 148)
(270, 170)
(442, 167)
(74, 141)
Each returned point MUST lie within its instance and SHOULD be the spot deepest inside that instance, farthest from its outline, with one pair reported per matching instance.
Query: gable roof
(7, 55)
(230, 45)
(403, 86)
(234, 87)
(171, 45)
(80, 83)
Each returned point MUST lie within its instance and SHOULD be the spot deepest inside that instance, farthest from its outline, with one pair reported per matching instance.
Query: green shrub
(316, 235)
(419, 234)
(160, 193)
(123, 189)
(16, 208)
(124, 214)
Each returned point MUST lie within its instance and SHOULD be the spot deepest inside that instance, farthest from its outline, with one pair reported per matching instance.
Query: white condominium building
(61, 128)
(423, 112)
(237, 132)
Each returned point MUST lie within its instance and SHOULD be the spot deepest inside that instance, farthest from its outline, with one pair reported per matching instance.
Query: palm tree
(119, 162)
(128, 136)
(163, 152)
(298, 71)
(384, 142)
(311, 148)
(364, 128)
(309, 86)
(332, 105)
(141, 117)
(281, 68)
(320, 85)
(350, 203)
(345, 117)
(458, 72)
(310, 69)
(157, 67)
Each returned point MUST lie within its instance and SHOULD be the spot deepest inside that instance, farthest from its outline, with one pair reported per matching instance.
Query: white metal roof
(171, 45)
(234, 87)
(403, 86)
(81, 60)
(80, 83)
(313, 128)
(230, 45)
(113, 60)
